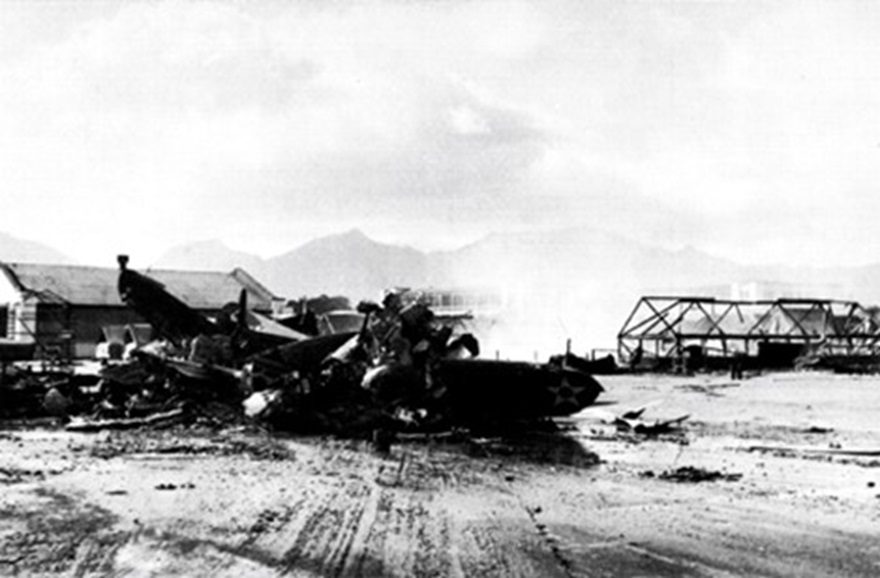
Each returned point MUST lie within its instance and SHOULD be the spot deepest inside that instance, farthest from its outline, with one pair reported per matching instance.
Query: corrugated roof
(81, 285)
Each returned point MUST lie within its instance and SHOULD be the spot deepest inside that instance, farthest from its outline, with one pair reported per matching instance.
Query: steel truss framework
(664, 327)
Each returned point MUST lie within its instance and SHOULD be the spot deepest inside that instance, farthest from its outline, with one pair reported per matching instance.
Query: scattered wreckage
(631, 424)
(392, 366)
(632, 421)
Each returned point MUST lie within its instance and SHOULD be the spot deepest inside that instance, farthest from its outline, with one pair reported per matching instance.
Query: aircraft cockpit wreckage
(401, 368)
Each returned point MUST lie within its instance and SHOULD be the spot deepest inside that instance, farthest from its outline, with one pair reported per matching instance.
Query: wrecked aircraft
(173, 320)
(399, 367)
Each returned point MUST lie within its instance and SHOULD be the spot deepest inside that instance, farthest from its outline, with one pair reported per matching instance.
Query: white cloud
(263, 124)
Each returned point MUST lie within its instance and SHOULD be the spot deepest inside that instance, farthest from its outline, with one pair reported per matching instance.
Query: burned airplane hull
(478, 389)
(170, 317)
(402, 367)
(305, 356)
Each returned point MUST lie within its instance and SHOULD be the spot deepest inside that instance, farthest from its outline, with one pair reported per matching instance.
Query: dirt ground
(795, 458)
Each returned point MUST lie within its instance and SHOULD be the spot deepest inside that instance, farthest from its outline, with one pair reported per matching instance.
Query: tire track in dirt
(323, 536)
(628, 526)
(551, 541)
(357, 514)
(160, 553)
(410, 537)
(372, 516)
(57, 534)
(491, 534)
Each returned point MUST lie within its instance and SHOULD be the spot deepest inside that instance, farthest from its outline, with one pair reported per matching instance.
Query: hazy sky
(748, 129)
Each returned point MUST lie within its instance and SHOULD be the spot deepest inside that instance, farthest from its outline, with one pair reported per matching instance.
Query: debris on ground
(85, 425)
(187, 486)
(190, 441)
(831, 451)
(692, 474)
(711, 390)
(17, 475)
(633, 424)
(631, 421)
(536, 447)
(402, 370)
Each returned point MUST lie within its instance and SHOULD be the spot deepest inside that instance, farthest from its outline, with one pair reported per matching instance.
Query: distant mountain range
(352, 264)
(17, 250)
(577, 282)
(211, 255)
(349, 264)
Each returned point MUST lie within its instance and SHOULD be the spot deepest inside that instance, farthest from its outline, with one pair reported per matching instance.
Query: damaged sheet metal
(632, 421)
(170, 317)
(479, 388)
(403, 369)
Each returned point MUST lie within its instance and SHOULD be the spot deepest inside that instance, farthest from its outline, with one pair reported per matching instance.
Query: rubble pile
(692, 474)
(403, 369)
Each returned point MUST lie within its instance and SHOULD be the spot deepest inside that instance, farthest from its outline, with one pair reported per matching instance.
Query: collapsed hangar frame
(664, 328)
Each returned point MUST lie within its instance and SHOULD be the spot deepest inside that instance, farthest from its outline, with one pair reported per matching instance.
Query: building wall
(22, 322)
(20, 318)
(8, 291)
(475, 301)
(85, 322)
(64, 331)
(70, 330)
(52, 334)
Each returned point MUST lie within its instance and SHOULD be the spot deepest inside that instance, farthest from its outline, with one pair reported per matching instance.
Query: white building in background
(759, 291)
(479, 302)
(772, 290)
